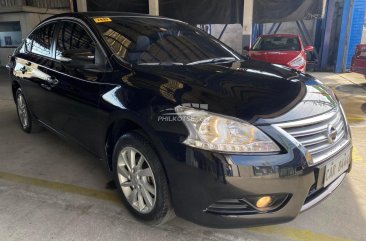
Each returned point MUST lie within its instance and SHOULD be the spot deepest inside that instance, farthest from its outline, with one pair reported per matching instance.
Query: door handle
(28, 63)
(23, 69)
(52, 80)
(46, 87)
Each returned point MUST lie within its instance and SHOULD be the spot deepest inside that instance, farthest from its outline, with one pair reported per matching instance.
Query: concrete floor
(52, 190)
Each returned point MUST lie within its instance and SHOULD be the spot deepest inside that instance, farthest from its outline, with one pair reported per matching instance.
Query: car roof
(83, 15)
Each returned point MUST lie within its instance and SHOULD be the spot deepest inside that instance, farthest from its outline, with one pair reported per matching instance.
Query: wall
(8, 17)
(358, 20)
(4, 53)
(232, 35)
(32, 20)
(291, 28)
(16, 38)
(27, 22)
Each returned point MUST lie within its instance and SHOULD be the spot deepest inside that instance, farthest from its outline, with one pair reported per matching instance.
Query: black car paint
(96, 107)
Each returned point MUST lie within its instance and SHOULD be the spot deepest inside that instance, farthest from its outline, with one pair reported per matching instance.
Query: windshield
(277, 44)
(149, 41)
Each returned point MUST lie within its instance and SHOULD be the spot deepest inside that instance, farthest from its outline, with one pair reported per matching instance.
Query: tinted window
(277, 44)
(39, 42)
(74, 44)
(152, 40)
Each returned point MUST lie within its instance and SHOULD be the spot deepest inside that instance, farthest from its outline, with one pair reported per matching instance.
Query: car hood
(276, 57)
(254, 91)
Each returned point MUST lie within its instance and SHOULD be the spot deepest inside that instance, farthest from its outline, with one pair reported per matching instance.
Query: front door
(79, 71)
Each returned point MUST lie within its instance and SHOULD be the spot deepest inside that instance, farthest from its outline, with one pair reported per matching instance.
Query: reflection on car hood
(319, 99)
(253, 91)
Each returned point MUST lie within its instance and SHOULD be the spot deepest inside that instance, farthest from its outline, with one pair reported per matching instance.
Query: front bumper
(198, 179)
(312, 201)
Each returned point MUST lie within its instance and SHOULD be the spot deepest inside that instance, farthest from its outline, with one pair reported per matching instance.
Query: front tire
(141, 180)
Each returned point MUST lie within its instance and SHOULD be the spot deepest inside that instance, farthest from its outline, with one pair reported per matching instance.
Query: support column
(344, 37)
(247, 23)
(327, 33)
(81, 6)
(355, 34)
(154, 7)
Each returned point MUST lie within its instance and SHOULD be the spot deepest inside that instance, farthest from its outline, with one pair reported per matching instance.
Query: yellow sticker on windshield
(102, 20)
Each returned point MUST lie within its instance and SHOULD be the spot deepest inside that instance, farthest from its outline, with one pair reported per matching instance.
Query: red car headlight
(298, 62)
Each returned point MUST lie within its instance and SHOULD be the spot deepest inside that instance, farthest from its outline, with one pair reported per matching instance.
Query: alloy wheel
(22, 111)
(136, 180)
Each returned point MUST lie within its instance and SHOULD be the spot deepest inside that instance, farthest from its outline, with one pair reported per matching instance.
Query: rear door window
(40, 41)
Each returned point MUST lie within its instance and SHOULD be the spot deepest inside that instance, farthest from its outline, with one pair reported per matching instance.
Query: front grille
(313, 135)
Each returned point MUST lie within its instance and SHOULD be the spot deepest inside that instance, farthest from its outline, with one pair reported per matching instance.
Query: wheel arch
(123, 126)
(14, 86)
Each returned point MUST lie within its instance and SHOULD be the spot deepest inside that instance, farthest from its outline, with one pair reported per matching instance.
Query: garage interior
(53, 190)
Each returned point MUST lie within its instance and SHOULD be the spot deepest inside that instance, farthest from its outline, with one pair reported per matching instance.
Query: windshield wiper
(162, 63)
(214, 60)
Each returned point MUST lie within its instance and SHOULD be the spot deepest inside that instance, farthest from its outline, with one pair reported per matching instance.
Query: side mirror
(309, 48)
(246, 48)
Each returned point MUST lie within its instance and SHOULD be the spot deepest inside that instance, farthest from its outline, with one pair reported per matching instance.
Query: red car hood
(275, 57)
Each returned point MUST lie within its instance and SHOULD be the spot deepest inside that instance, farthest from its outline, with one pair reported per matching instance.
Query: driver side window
(74, 45)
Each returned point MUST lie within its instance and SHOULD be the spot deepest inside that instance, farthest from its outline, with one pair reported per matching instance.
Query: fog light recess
(267, 202)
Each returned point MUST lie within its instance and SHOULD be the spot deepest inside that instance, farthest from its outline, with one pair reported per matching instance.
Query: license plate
(337, 167)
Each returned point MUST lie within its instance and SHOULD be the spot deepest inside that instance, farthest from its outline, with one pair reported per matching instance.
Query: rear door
(32, 64)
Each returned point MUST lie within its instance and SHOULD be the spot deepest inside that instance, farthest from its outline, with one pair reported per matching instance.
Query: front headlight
(298, 62)
(210, 131)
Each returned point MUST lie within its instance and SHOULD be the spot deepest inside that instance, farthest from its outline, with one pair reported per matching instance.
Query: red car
(359, 60)
(284, 49)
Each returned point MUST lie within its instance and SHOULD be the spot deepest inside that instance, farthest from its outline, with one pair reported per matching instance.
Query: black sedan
(183, 123)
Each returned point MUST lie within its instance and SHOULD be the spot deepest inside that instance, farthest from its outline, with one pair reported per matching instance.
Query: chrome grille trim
(312, 133)
(315, 128)
(308, 121)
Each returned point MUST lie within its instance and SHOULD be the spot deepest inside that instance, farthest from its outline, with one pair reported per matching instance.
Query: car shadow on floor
(355, 89)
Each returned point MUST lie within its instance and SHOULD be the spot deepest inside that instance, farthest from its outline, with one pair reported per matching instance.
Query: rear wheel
(27, 123)
(141, 179)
